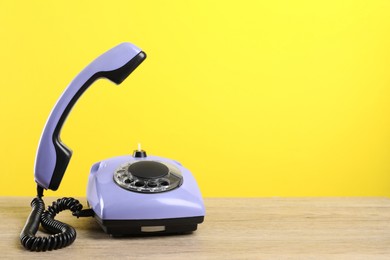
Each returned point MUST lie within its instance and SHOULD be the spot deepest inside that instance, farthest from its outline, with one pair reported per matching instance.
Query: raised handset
(53, 156)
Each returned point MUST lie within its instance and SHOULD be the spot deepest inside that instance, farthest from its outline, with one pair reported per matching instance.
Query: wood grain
(234, 228)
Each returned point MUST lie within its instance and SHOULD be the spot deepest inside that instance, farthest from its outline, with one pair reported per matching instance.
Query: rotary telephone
(134, 194)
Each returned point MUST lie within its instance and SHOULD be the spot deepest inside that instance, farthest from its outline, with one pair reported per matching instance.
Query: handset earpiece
(53, 156)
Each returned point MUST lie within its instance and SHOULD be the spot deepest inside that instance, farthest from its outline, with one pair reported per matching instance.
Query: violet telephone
(133, 194)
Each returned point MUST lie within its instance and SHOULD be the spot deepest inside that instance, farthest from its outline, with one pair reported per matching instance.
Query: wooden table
(234, 228)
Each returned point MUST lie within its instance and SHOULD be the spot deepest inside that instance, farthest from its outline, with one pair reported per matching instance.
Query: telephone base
(148, 227)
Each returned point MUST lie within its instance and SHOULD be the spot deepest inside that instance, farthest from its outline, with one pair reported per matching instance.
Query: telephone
(134, 194)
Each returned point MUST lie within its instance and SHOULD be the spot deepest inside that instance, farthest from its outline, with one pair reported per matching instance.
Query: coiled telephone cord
(62, 234)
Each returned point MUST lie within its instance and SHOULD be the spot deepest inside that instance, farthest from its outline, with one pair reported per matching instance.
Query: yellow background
(256, 98)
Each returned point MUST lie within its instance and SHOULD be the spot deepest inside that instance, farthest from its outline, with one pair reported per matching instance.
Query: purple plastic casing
(111, 202)
(46, 155)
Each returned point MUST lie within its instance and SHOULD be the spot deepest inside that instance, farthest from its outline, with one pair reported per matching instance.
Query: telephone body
(127, 195)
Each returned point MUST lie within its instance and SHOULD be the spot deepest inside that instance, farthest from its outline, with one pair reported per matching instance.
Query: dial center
(148, 169)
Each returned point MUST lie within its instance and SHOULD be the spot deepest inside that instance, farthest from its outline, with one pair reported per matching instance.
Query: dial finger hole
(139, 184)
(152, 184)
(164, 183)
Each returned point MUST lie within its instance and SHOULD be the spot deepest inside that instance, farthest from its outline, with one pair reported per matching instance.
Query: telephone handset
(128, 195)
(53, 156)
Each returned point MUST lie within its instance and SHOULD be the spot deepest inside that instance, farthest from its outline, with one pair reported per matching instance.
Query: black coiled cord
(62, 234)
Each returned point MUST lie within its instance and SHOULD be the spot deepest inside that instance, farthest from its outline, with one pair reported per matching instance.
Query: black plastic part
(63, 153)
(84, 213)
(139, 154)
(134, 227)
(39, 191)
(148, 169)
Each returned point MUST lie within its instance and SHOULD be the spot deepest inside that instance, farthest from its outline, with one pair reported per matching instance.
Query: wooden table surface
(234, 228)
